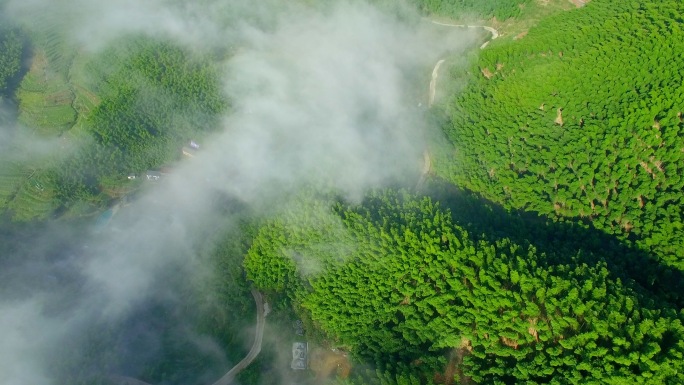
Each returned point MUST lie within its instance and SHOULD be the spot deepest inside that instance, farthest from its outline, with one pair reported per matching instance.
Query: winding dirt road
(435, 70)
(433, 82)
(427, 161)
(493, 31)
(230, 376)
(256, 346)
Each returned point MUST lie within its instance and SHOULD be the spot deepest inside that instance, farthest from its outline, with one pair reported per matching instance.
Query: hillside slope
(582, 120)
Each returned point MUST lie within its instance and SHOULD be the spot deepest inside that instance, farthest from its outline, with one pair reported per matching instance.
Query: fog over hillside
(325, 95)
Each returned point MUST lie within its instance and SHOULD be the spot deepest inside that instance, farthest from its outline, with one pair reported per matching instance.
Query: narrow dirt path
(256, 346)
(435, 70)
(230, 375)
(494, 32)
(427, 161)
(433, 82)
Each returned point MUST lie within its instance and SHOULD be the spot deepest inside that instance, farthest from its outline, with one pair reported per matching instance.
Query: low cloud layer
(325, 95)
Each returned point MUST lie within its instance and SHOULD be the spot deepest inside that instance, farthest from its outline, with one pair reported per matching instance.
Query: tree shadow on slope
(563, 242)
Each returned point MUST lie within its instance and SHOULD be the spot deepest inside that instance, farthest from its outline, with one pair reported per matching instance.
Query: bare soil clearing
(326, 363)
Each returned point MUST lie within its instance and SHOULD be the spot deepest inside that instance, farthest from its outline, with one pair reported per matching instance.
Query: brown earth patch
(61, 97)
(658, 164)
(38, 62)
(455, 359)
(509, 342)
(487, 73)
(533, 321)
(325, 362)
(520, 35)
(559, 117)
(452, 370)
(92, 98)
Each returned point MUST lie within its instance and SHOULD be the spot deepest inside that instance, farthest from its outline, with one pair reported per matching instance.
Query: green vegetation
(582, 123)
(548, 248)
(126, 110)
(157, 99)
(501, 9)
(11, 52)
(403, 284)
(45, 99)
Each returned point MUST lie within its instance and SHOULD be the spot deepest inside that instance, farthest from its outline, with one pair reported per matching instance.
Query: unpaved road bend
(493, 31)
(433, 82)
(435, 70)
(256, 346)
(427, 162)
(230, 376)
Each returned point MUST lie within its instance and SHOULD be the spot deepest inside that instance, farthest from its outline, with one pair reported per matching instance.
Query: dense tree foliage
(581, 122)
(501, 9)
(139, 101)
(157, 98)
(11, 51)
(404, 284)
(562, 242)
(571, 274)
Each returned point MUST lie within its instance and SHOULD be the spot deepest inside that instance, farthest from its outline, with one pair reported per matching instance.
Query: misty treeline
(187, 337)
(573, 275)
(500, 9)
(404, 287)
(582, 123)
(570, 273)
(12, 48)
(122, 111)
(157, 98)
(11, 52)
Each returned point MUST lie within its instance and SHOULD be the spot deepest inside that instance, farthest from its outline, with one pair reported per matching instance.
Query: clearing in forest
(326, 363)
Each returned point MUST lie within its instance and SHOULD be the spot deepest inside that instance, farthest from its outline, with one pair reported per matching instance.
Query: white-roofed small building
(299, 355)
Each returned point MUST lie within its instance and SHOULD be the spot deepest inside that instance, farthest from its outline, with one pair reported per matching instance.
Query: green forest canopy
(11, 51)
(583, 123)
(572, 122)
(501, 9)
(138, 102)
(402, 284)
